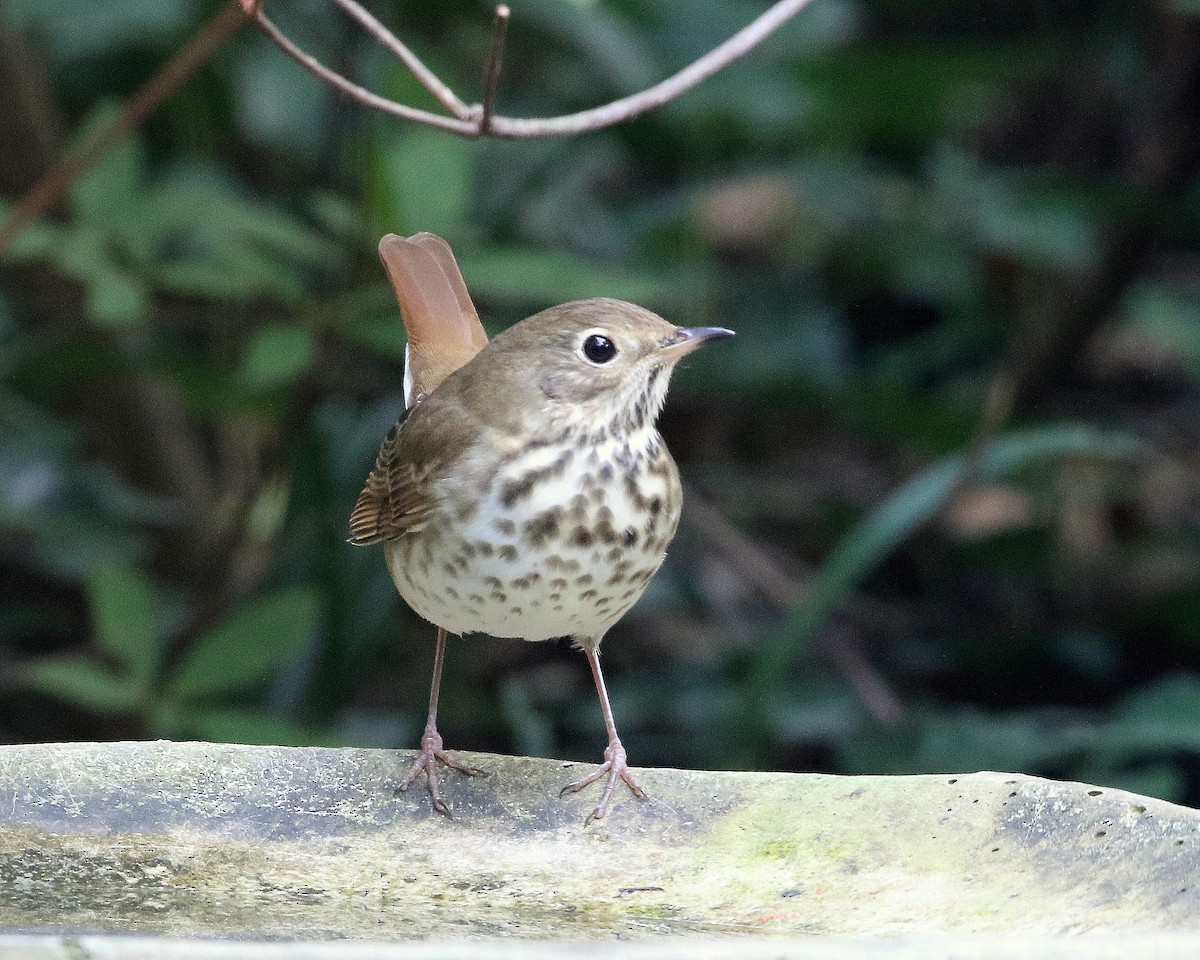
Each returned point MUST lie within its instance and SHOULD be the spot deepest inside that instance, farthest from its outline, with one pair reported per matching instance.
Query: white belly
(546, 548)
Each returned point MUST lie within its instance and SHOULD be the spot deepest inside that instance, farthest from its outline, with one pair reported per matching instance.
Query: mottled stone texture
(282, 843)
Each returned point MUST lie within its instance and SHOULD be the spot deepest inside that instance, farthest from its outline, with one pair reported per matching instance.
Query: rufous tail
(443, 326)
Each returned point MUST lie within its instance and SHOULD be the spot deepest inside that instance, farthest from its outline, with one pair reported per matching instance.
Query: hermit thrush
(524, 492)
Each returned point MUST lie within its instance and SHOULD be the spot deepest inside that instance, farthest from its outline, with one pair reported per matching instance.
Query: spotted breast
(560, 540)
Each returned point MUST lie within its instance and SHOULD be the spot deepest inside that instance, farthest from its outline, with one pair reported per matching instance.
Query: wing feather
(444, 332)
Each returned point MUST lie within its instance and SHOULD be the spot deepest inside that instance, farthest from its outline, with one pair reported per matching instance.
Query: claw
(427, 759)
(616, 767)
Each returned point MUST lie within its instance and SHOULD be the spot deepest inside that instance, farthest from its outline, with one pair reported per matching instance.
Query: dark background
(904, 209)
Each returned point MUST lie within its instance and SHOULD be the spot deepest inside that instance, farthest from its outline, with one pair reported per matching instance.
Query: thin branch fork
(479, 120)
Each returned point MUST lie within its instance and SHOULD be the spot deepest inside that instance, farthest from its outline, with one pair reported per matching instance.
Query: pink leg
(615, 763)
(432, 751)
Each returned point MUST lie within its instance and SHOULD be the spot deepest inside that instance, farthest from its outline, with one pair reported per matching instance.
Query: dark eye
(598, 348)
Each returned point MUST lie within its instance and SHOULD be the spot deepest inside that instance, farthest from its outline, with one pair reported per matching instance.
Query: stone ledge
(1118, 947)
(309, 844)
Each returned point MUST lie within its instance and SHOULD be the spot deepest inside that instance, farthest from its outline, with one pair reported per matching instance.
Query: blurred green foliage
(902, 208)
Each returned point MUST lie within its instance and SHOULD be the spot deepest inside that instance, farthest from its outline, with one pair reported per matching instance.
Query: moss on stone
(287, 843)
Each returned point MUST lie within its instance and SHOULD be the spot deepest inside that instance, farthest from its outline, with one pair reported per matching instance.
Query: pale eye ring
(598, 348)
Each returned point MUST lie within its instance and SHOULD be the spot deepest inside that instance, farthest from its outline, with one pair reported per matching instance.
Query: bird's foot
(428, 757)
(615, 768)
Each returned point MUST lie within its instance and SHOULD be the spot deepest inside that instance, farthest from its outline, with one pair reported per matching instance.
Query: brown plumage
(443, 326)
(525, 492)
(444, 332)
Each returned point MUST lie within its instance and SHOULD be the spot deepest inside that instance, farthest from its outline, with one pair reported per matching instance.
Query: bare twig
(53, 185)
(846, 655)
(467, 121)
(785, 591)
(491, 73)
(430, 80)
(466, 128)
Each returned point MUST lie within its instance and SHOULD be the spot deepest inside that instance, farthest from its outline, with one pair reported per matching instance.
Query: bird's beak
(687, 339)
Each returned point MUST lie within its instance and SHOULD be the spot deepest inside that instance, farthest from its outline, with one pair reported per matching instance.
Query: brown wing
(444, 332)
(396, 498)
(443, 326)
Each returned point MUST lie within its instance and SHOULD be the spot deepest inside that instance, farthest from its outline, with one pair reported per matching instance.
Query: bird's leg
(615, 764)
(431, 741)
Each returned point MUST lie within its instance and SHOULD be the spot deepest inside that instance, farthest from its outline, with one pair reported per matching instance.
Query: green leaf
(84, 684)
(277, 356)
(122, 603)
(37, 241)
(237, 278)
(420, 180)
(882, 530)
(1156, 719)
(102, 194)
(214, 225)
(529, 276)
(247, 651)
(1170, 317)
(232, 725)
(117, 300)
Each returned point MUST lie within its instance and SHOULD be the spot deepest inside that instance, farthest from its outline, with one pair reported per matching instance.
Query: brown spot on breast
(450, 570)
(507, 552)
(558, 583)
(485, 549)
(520, 488)
(581, 537)
(587, 594)
(631, 536)
(493, 582)
(505, 526)
(451, 593)
(584, 580)
(659, 466)
(475, 600)
(542, 527)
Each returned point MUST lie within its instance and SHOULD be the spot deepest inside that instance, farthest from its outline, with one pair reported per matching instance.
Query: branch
(491, 73)
(53, 185)
(478, 120)
(786, 591)
(428, 78)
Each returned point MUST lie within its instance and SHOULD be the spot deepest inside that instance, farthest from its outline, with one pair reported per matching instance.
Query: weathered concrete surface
(1159, 946)
(214, 840)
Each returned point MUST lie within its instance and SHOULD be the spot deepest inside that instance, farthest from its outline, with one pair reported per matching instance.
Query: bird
(525, 491)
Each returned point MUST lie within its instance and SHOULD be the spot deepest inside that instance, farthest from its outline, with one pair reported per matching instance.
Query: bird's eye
(598, 348)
